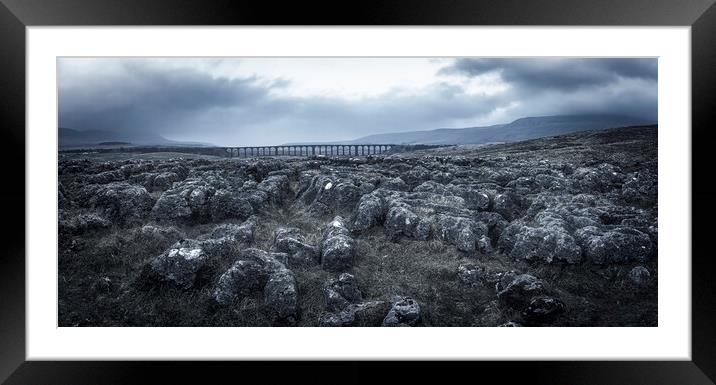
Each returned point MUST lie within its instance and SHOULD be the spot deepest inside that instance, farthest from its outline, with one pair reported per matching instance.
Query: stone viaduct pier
(310, 149)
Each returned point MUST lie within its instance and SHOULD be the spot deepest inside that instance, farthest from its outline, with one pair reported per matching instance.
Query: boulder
(181, 263)
(404, 312)
(337, 246)
(340, 292)
(241, 279)
(292, 242)
(225, 204)
(470, 274)
(639, 275)
(614, 246)
(276, 186)
(82, 223)
(248, 275)
(396, 184)
(121, 201)
(507, 204)
(238, 233)
(546, 244)
(462, 232)
(281, 296)
(171, 206)
(369, 212)
(516, 291)
(165, 180)
(369, 313)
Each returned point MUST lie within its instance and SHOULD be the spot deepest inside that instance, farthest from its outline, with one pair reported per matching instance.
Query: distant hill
(69, 138)
(520, 129)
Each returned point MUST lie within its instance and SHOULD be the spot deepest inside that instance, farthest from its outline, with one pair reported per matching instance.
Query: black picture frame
(16, 15)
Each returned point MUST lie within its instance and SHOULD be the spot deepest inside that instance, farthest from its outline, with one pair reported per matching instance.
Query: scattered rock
(369, 313)
(337, 246)
(341, 292)
(404, 312)
(640, 275)
(516, 291)
(121, 201)
(614, 246)
(291, 242)
(181, 263)
(281, 296)
(470, 274)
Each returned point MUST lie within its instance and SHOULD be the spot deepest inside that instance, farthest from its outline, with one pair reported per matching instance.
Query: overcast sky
(261, 101)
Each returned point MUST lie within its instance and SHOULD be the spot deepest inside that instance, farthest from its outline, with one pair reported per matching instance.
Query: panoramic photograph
(357, 191)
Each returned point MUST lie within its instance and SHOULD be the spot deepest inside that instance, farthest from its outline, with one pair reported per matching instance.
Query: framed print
(513, 185)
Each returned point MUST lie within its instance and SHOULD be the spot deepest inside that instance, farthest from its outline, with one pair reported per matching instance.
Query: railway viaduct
(310, 149)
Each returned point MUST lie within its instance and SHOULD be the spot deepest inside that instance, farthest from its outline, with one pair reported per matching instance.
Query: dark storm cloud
(557, 73)
(189, 103)
(141, 97)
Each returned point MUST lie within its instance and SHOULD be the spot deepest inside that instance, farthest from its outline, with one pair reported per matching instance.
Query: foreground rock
(281, 296)
(640, 276)
(404, 312)
(369, 313)
(517, 290)
(337, 246)
(293, 243)
(341, 292)
(255, 271)
(181, 263)
(119, 201)
(82, 224)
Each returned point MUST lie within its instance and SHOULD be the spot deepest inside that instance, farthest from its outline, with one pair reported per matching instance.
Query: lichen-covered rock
(516, 291)
(161, 235)
(281, 296)
(293, 243)
(396, 184)
(225, 204)
(507, 205)
(249, 274)
(165, 180)
(404, 312)
(464, 233)
(340, 292)
(276, 186)
(181, 263)
(121, 201)
(401, 220)
(602, 178)
(243, 232)
(369, 313)
(546, 244)
(81, 224)
(640, 275)
(337, 246)
(171, 206)
(241, 279)
(369, 212)
(614, 246)
(470, 274)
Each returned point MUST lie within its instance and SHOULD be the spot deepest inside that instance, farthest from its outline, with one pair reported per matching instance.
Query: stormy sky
(262, 101)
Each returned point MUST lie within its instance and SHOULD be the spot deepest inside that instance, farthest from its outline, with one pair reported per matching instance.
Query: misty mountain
(520, 129)
(68, 137)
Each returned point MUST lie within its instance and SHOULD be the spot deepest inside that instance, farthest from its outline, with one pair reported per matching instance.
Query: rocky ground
(551, 232)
